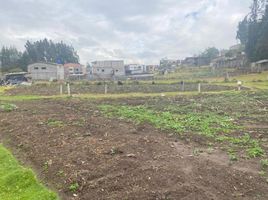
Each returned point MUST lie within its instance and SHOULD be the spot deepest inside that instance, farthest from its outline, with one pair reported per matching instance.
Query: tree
(9, 57)
(211, 53)
(242, 32)
(48, 51)
(252, 31)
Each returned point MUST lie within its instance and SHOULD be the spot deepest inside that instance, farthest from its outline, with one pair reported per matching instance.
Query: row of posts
(106, 88)
(68, 89)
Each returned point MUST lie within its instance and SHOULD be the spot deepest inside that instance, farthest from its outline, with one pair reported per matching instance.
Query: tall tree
(211, 53)
(251, 30)
(9, 57)
(48, 51)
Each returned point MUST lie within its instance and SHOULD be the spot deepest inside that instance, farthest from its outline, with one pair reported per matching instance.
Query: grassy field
(19, 183)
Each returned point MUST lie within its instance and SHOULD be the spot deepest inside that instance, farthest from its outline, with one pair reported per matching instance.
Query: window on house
(36, 68)
(102, 70)
(116, 70)
(44, 68)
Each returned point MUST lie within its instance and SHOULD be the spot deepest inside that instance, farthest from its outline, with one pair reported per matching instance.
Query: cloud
(137, 31)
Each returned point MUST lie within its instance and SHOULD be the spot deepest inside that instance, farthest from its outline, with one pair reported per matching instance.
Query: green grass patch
(252, 146)
(207, 124)
(218, 127)
(19, 183)
(7, 107)
(54, 123)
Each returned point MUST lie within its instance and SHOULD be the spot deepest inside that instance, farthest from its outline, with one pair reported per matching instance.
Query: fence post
(239, 84)
(68, 89)
(199, 87)
(182, 86)
(105, 89)
(61, 89)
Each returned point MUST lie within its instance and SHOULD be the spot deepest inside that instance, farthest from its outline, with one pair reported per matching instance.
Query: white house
(46, 71)
(135, 69)
(108, 69)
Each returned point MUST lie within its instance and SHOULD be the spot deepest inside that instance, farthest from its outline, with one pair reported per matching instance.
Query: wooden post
(68, 89)
(182, 86)
(61, 89)
(199, 87)
(105, 89)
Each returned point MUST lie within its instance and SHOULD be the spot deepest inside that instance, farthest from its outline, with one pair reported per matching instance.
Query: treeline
(253, 31)
(39, 51)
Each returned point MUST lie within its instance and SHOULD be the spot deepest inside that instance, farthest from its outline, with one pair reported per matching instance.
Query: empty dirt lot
(70, 142)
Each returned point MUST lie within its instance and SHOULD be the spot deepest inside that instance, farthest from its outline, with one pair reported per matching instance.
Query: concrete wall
(135, 69)
(46, 71)
(108, 69)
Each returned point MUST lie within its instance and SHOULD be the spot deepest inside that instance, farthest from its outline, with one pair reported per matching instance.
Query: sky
(138, 31)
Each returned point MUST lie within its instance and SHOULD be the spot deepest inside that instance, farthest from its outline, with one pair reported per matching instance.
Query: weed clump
(7, 107)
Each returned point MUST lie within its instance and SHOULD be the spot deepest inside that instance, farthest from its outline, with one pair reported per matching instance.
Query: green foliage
(39, 51)
(253, 31)
(9, 57)
(55, 123)
(207, 124)
(253, 147)
(255, 151)
(7, 107)
(74, 187)
(211, 53)
(48, 51)
(264, 163)
(19, 183)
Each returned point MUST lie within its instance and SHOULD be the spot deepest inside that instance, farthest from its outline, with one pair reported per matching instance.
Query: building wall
(135, 69)
(46, 71)
(73, 70)
(108, 69)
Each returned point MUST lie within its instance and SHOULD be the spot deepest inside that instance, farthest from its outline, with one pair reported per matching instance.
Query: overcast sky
(138, 31)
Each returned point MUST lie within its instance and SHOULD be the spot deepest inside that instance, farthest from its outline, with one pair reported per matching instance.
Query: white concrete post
(199, 87)
(69, 89)
(239, 84)
(105, 89)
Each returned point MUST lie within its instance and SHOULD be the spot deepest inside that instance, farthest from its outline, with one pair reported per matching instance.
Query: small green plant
(7, 107)
(233, 157)
(197, 152)
(45, 166)
(210, 150)
(60, 173)
(262, 173)
(264, 163)
(255, 151)
(74, 187)
(115, 151)
(54, 123)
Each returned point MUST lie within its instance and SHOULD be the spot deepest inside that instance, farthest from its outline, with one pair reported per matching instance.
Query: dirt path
(114, 159)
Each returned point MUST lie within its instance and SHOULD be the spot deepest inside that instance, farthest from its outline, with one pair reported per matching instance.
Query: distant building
(169, 63)
(151, 68)
(237, 61)
(108, 69)
(74, 70)
(46, 71)
(135, 69)
(260, 66)
(196, 61)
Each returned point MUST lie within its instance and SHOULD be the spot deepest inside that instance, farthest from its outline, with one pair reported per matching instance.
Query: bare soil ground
(70, 141)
